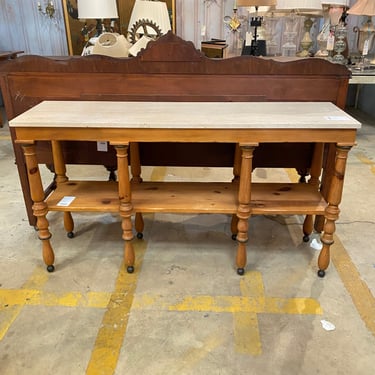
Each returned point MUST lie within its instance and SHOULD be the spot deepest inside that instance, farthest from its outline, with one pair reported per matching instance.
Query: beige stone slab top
(363, 78)
(186, 115)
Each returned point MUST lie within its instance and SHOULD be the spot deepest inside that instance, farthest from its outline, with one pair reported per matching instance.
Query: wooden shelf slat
(95, 196)
(190, 197)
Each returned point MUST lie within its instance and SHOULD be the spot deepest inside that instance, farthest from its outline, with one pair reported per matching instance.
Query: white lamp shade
(255, 3)
(261, 10)
(343, 3)
(97, 9)
(363, 8)
(155, 11)
(298, 5)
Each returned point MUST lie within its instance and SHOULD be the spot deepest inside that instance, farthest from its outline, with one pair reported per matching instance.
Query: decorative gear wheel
(142, 27)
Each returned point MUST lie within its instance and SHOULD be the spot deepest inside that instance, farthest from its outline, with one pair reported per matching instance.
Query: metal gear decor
(141, 28)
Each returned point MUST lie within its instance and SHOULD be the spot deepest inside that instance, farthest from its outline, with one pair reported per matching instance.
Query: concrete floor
(185, 310)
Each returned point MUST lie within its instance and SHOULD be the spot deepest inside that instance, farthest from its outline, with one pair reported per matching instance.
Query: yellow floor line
(246, 334)
(9, 311)
(244, 308)
(110, 337)
(365, 160)
(34, 297)
(361, 295)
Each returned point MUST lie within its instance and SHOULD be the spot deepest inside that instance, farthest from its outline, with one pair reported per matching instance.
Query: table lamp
(305, 7)
(367, 31)
(148, 18)
(148, 21)
(256, 21)
(333, 11)
(98, 10)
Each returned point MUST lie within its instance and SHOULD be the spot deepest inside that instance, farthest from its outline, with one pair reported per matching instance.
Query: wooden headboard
(170, 69)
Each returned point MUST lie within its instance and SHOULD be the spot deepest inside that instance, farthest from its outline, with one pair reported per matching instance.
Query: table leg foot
(139, 224)
(241, 257)
(68, 224)
(307, 227)
(233, 227)
(306, 238)
(48, 254)
(321, 273)
(50, 268)
(129, 256)
(240, 271)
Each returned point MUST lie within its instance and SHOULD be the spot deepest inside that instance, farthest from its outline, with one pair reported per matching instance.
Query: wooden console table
(125, 124)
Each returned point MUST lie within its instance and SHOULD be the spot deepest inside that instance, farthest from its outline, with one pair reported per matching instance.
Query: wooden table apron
(239, 198)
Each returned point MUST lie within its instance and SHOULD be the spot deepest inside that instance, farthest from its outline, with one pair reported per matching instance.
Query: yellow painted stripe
(34, 297)
(300, 306)
(246, 334)
(365, 160)
(361, 295)
(9, 312)
(251, 284)
(229, 304)
(110, 337)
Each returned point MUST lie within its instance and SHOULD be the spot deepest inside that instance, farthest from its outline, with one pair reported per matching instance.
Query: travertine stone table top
(186, 115)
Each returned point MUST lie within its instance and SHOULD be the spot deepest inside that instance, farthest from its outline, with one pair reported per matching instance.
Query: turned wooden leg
(126, 208)
(135, 162)
(244, 210)
(308, 226)
(315, 171)
(237, 163)
(139, 225)
(69, 224)
(62, 178)
(135, 167)
(236, 179)
(332, 211)
(40, 208)
(328, 169)
(234, 226)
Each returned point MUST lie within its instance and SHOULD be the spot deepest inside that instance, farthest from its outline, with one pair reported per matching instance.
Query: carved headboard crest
(171, 48)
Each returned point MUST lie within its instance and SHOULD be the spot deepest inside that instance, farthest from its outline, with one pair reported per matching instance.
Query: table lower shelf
(190, 197)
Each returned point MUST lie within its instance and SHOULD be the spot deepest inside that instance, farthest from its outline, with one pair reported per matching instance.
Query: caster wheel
(130, 269)
(306, 238)
(240, 271)
(139, 235)
(234, 237)
(321, 273)
(50, 268)
(70, 234)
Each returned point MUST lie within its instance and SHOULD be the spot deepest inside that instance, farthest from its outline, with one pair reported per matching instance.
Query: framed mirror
(78, 31)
